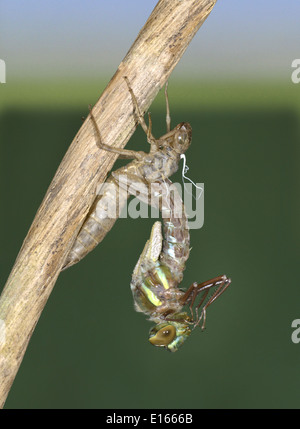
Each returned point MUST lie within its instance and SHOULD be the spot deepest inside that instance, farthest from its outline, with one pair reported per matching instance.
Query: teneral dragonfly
(158, 273)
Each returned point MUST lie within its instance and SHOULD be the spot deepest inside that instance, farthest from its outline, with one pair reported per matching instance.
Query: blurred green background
(90, 348)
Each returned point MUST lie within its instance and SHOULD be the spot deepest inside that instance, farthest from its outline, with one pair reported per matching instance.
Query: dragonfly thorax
(157, 295)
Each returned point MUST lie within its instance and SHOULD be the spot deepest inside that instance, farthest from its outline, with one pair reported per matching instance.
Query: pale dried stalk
(148, 64)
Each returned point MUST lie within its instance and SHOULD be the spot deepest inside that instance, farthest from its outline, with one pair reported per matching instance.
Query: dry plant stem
(148, 64)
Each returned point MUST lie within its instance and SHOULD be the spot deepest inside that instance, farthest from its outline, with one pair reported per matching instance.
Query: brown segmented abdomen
(104, 212)
(97, 223)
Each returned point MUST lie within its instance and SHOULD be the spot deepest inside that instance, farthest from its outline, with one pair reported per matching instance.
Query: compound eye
(182, 137)
(163, 336)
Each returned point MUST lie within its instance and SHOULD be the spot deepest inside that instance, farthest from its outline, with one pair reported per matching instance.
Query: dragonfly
(146, 168)
(159, 272)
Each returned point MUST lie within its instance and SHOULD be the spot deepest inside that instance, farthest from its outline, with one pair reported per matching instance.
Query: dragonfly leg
(149, 132)
(168, 117)
(220, 284)
(123, 153)
(150, 138)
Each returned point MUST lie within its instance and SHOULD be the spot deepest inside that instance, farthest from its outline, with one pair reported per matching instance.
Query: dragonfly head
(182, 137)
(170, 335)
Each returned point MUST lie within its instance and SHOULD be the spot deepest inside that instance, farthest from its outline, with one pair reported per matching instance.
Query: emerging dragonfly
(160, 267)
(156, 166)
(159, 271)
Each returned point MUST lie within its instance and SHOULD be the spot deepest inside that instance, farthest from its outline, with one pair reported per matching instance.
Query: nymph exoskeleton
(156, 166)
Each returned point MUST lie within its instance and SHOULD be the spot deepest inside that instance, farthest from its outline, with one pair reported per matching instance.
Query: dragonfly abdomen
(101, 218)
(176, 244)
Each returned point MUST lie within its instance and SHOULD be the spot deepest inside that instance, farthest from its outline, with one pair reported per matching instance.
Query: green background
(90, 348)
